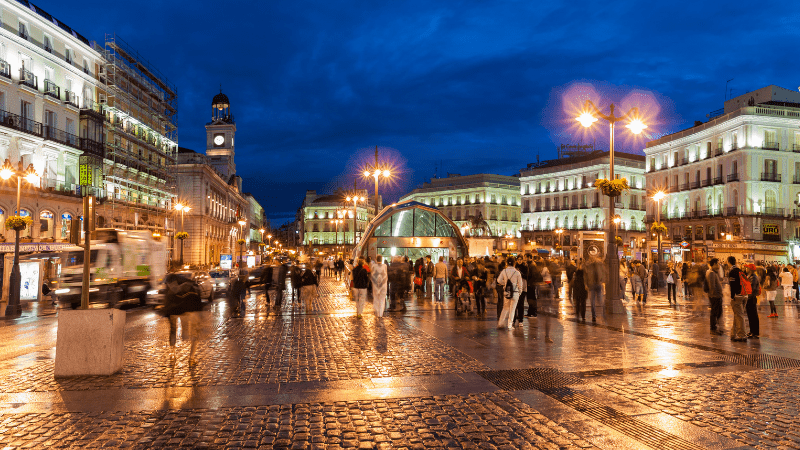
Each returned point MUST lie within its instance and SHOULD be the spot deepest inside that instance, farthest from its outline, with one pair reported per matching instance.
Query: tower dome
(221, 108)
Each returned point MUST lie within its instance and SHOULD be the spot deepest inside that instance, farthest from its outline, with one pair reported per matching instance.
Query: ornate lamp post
(355, 199)
(183, 209)
(262, 240)
(6, 172)
(242, 222)
(658, 196)
(635, 125)
(376, 172)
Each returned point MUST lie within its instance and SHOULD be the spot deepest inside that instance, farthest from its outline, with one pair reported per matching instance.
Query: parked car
(222, 279)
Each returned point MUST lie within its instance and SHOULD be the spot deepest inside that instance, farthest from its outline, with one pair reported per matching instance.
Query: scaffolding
(140, 110)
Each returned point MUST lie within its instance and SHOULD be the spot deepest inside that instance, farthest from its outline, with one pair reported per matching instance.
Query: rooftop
(596, 155)
(55, 21)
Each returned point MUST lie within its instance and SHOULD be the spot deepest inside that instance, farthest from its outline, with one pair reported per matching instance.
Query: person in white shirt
(787, 281)
(509, 304)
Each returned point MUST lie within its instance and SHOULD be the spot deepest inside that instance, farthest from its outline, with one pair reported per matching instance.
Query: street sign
(226, 261)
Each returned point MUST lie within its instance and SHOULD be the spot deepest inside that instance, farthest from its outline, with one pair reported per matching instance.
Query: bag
(508, 291)
(670, 279)
(746, 288)
(418, 281)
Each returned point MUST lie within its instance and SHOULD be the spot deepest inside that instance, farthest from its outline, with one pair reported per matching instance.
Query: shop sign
(684, 244)
(771, 228)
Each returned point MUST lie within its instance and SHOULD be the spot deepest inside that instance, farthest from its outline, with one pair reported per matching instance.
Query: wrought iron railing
(27, 78)
(52, 89)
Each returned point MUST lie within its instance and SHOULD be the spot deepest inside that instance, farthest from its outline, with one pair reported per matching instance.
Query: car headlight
(61, 291)
(251, 278)
(222, 285)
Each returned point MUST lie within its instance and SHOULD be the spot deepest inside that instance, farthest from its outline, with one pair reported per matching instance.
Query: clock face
(219, 140)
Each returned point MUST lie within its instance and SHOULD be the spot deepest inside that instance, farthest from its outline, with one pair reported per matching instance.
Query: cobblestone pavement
(315, 376)
(488, 421)
(759, 408)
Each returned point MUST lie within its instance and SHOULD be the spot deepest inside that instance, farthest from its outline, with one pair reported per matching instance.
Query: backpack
(747, 289)
(508, 290)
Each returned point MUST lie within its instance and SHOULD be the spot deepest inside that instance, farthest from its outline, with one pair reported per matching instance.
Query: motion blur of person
(535, 279)
(318, 269)
(519, 311)
(594, 276)
(308, 287)
(439, 279)
(672, 283)
(380, 280)
(479, 279)
(183, 302)
(360, 285)
(623, 278)
(579, 291)
(570, 269)
(787, 281)
(266, 281)
(237, 294)
(279, 274)
(715, 295)
(398, 283)
(555, 273)
(738, 297)
(419, 277)
(770, 288)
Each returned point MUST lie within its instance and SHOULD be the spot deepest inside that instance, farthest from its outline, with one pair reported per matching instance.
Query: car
(254, 275)
(203, 279)
(222, 279)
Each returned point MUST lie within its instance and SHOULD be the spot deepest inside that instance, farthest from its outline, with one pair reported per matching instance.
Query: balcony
(52, 90)
(633, 206)
(27, 78)
(685, 186)
(584, 206)
(595, 204)
(733, 177)
(706, 182)
(537, 209)
(5, 69)
(694, 184)
(54, 134)
(731, 211)
(20, 123)
(772, 177)
(771, 146)
(680, 162)
(92, 147)
(718, 180)
(718, 151)
(773, 212)
(70, 98)
(796, 148)
(526, 210)
(796, 179)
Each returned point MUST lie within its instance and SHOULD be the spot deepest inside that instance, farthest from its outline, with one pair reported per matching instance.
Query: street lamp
(336, 223)
(635, 125)
(355, 199)
(262, 240)
(559, 232)
(183, 209)
(658, 196)
(376, 172)
(241, 236)
(6, 172)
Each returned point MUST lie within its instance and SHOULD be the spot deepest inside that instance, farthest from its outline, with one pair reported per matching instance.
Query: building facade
(318, 231)
(561, 208)
(733, 183)
(481, 205)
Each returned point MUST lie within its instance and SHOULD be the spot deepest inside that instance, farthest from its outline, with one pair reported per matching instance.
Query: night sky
(441, 87)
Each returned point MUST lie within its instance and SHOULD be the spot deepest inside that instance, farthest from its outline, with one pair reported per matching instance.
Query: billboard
(226, 261)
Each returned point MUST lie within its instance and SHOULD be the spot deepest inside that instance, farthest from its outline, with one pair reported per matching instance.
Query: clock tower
(219, 136)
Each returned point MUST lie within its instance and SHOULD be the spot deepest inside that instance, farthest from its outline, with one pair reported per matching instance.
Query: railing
(23, 34)
(718, 180)
(92, 147)
(89, 104)
(796, 148)
(733, 177)
(618, 205)
(52, 89)
(718, 151)
(20, 123)
(54, 134)
(526, 210)
(633, 206)
(695, 185)
(684, 186)
(584, 206)
(680, 162)
(5, 69)
(71, 98)
(731, 210)
(771, 146)
(769, 176)
(706, 182)
(796, 179)
(537, 209)
(772, 212)
(27, 78)
(595, 204)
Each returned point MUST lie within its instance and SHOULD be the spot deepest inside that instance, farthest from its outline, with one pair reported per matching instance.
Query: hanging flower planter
(18, 223)
(240, 241)
(658, 228)
(611, 188)
(181, 235)
(618, 240)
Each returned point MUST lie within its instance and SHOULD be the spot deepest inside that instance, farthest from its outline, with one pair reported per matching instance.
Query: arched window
(27, 231)
(769, 200)
(46, 223)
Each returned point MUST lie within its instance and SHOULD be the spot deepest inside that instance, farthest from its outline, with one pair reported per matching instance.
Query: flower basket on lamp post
(16, 223)
(611, 188)
(241, 250)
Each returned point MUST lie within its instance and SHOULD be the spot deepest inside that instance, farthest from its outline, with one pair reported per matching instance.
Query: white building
(733, 182)
(487, 200)
(319, 232)
(560, 195)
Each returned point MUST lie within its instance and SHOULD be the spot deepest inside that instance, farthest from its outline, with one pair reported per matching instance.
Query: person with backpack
(714, 284)
(740, 289)
(511, 281)
(672, 282)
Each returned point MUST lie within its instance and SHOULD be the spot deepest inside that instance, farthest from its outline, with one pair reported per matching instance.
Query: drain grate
(763, 361)
(591, 374)
(630, 426)
(535, 378)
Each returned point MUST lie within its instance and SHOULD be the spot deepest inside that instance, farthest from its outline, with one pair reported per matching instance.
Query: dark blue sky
(466, 86)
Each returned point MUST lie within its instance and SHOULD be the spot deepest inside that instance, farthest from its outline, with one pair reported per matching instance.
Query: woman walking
(380, 279)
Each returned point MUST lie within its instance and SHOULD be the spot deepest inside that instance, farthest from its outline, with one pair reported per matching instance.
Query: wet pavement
(317, 376)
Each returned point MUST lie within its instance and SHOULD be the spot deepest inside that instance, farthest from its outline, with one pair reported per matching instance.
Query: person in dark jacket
(360, 285)
(182, 301)
(715, 295)
(479, 277)
(579, 292)
(570, 269)
(398, 283)
(308, 287)
(294, 275)
(266, 281)
(237, 293)
(535, 279)
(279, 279)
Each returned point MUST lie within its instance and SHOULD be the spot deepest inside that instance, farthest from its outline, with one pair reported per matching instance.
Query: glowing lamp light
(7, 171)
(386, 174)
(179, 207)
(242, 222)
(658, 196)
(586, 119)
(636, 126)
(366, 173)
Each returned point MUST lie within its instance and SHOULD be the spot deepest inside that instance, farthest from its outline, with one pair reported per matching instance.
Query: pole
(14, 308)
(87, 252)
(377, 174)
(612, 285)
(658, 219)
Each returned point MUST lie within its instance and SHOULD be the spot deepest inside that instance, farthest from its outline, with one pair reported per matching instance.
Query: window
(68, 56)
(48, 44)
(769, 200)
(734, 140)
(23, 30)
(770, 167)
(770, 140)
(86, 66)
(735, 168)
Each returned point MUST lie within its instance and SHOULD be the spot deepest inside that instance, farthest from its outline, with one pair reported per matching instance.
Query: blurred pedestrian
(439, 279)
(308, 287)
(715, 295)
(237, 294)
(510, 293)
(787, 281)
(183, 303)
(479, 279)
(770, 288)
(672, 282)
(594, 276)
(380, 280)
(738, 297)
(579, 291)
(360, 285)
(398, 283)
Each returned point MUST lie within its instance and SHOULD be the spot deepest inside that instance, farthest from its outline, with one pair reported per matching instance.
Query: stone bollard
(89, 342)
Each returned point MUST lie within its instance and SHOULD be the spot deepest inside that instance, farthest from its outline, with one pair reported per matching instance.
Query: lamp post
(7, 171)
(336, 223)
(262, 241)
(376, 172)
(241, 236)
(182, 208)
(635, 125)
(355, 199)
(559, 232)
(658, 196)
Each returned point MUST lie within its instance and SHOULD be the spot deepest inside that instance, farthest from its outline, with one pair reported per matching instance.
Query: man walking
(715, 295)
(737, 301)
(594, 276)
(509, 303)
(439, 279)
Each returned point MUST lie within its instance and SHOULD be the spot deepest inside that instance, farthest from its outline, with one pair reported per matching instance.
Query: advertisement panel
(226, 261)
